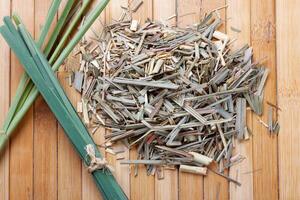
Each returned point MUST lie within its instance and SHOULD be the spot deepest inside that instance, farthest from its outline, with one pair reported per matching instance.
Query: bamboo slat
(165, 12)
(265, 180)
(166, 188)
(21, 149)
(188, 12)
(243, 172)
(190, 185)
(239, 14)
(122, 172)
(45, 131)
(144, 12)
(210, 5)
(89, 189)
(141, 186)
(69, 164)
(287, 35)
(18, 178)
(4, 103)
(215, 187)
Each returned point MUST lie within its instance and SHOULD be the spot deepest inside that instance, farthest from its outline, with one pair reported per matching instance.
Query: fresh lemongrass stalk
(49, 19)
(45, 29)
(19, 100)
(15, 103)
(69, 31)
(25, 84)
(85, 27)
(74, 10)
(59, 26)
(33, 91)
(39, 70)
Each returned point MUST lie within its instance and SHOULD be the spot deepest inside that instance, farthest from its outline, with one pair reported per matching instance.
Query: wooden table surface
(39, 163)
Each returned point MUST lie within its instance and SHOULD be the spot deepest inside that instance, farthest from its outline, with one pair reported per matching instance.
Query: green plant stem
(40, 71)
(69, 31)
(25, 85)
(49, 19)
(34, 92)
(85, 27)
(59, 26)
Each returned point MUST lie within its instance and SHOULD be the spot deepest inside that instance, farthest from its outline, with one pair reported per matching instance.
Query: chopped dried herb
(178, 95)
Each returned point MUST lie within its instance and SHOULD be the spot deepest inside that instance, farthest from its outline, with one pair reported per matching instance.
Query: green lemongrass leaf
(25, 85)
(69, 31)
(40, 60)
(158, 84)
(49, 20)
(7, 21)
(85, 27)
(26, 104)
(25, 57)
(73, 11)
(29, 85)
(17, 101)
(58, 27)
(22, 87)
(39, 70)
(51, 79)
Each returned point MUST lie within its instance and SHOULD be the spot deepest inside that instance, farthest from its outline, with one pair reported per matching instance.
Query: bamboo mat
(40, 163)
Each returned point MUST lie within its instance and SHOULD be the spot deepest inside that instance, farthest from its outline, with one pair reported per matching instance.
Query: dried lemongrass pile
(178, 95)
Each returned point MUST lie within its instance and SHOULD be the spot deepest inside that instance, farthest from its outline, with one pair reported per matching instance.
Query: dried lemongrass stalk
(201, 158)
(178, 95)
(193, 169)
